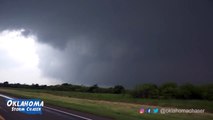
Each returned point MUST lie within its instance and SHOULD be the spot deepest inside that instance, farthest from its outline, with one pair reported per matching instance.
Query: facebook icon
(148, 110)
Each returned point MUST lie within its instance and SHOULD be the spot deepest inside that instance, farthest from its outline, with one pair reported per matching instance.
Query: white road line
(4, 96)
(67, 113)
(7, 97)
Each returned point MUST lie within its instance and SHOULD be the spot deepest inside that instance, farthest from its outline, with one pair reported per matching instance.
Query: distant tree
(189, 91)
(43, 86)
(118, 89)
(16, 85)
(65, 84)
(6, 84)
(36, 86)
(93, 88)
(168, 90)
(207, 92)
(146, 91)
(80, 88)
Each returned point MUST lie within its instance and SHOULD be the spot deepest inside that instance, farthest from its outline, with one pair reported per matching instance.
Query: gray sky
(107, 42)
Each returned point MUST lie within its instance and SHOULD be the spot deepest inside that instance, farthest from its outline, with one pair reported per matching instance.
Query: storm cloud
(118, 41)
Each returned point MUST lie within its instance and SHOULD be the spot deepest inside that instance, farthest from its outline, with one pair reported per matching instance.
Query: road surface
(48, 113)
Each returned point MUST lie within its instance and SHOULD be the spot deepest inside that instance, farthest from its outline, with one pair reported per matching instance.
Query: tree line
(173, 91)
(164, 91)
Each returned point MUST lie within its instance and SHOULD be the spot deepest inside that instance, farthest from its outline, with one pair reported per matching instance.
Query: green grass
(120, 107)
(199, 104)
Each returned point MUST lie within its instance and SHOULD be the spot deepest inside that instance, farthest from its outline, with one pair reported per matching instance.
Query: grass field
(120, 107)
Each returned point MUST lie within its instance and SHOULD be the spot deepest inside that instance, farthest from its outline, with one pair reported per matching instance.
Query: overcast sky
(106, 42)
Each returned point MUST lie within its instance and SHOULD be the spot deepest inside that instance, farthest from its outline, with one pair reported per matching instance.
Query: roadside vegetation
(115, 110)
(119, 103)
(152, 91)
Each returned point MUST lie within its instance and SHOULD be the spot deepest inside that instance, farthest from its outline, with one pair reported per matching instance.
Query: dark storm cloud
(117, 41)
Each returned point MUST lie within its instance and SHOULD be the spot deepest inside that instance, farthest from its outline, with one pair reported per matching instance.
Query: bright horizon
(21, 60)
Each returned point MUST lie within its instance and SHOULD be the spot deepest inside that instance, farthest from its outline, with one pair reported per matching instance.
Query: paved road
(49, 113)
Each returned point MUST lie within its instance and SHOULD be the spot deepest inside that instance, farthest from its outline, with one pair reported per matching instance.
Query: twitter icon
(155, 110)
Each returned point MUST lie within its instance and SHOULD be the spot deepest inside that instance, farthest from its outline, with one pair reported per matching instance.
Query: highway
(48, 113)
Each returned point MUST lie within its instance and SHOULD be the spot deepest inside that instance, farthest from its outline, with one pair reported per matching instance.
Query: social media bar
(169, 110)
